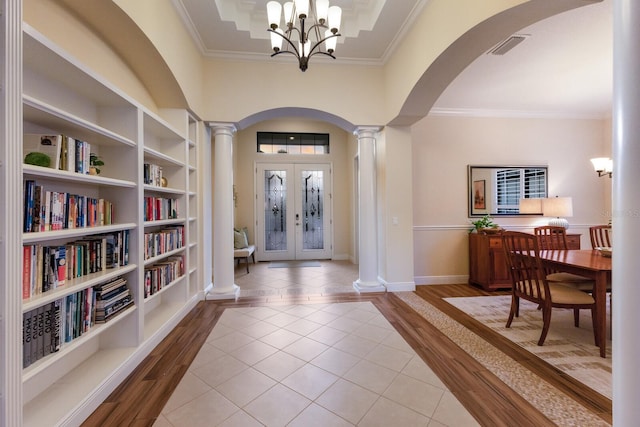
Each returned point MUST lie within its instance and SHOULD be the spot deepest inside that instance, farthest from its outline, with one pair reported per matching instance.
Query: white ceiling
(564, 67)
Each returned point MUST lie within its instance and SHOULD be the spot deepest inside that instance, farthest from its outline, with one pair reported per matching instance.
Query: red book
(26, 272)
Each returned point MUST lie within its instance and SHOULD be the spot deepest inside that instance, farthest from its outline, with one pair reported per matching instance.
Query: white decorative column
(368, 244)
(11, 398)
(626, 211)
(223, 286)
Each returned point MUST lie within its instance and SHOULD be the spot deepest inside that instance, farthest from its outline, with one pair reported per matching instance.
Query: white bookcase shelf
(159, 258)
(64, 176)
(164, 222)
(61, 96)
(44, 236)
(75, 285)
(165, 190)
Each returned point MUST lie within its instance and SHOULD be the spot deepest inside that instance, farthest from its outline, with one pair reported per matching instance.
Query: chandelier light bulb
(322, 10)
(335, 16)
(302, 8)
(288, 13)
(331, 42)
(276, 40)
(274, 12)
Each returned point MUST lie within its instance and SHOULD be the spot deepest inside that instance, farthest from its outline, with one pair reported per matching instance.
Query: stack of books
(111, 298)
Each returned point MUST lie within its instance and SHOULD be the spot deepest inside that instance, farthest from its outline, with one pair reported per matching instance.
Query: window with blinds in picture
(514, 184)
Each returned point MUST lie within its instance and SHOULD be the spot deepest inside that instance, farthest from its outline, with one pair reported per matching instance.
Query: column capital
(223, 128)
(366, 131)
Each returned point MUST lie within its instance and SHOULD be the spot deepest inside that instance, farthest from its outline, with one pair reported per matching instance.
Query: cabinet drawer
(495, 242)
(573, 241)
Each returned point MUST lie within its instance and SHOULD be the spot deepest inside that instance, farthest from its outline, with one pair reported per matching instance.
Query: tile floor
(308, 365)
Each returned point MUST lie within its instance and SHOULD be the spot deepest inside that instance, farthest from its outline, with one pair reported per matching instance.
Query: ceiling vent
(508, 44)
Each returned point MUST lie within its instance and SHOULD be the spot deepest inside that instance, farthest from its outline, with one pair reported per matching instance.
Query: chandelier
(323, 21)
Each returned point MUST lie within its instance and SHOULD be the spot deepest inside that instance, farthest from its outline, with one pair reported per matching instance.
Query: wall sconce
(603, 165)
(560, 208)
(530, 206)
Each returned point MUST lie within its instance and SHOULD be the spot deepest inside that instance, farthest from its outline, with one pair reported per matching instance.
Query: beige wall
(444, 146)
(245, 158)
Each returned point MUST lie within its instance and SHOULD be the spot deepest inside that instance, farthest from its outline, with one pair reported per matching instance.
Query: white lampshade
(274, 12)
(276, 40)
(559, 207)
(602, 164)
(609, 166)
(302, 8)
(530, 206)
(330, 43)
(335, 16)
(288, 12)
(322, 9)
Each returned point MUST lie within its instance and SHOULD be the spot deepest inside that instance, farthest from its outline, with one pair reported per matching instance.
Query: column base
(362, 287)
(231, 292)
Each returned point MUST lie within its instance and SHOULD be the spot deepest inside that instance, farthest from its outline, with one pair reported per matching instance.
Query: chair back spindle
(551, 237)
(600, 236)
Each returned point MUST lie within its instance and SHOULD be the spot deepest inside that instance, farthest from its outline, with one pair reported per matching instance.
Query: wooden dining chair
(600, 236)
(552, 237)
(529, 282)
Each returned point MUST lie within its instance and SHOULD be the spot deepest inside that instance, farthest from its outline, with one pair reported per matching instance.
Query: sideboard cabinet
(487, 264)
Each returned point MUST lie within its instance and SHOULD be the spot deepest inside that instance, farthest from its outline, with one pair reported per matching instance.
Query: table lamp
(560, 208)
(530, 206)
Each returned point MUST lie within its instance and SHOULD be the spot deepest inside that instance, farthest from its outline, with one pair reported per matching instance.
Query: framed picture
(479, 199)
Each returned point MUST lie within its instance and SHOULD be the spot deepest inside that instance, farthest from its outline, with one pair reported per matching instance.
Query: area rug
(560, 408)
(566, 347)
(293, 264)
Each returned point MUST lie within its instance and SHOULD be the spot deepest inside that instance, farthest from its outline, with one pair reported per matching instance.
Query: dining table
(588, 263)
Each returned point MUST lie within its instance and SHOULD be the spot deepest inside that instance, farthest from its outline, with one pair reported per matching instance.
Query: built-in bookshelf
(94, 297)
(194, 130)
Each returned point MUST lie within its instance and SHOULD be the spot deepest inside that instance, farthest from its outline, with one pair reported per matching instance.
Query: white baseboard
(441, 280)
(398, 286)
(401, 287)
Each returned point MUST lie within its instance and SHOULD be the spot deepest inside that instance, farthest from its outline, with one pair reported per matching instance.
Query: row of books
(47, 328)
(158, 208)
(45, 268)
(160, 274)
(46, 210)
(152, 174)
(66, 153)
(165, 240)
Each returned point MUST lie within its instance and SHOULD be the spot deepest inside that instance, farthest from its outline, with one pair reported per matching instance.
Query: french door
(293, 211)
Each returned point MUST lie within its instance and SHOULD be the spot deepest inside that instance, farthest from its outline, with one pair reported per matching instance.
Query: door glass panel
(312, 210)
(275, 210)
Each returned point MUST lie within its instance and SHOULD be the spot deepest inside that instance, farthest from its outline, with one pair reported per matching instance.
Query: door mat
(294, 264)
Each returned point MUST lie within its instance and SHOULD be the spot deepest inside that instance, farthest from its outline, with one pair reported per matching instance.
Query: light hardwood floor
(141, 398)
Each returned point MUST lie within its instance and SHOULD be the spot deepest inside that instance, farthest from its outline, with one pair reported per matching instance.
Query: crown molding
(523, 114)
